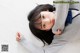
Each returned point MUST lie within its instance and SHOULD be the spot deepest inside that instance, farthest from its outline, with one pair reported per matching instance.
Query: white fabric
(30, 46)
(75, 12)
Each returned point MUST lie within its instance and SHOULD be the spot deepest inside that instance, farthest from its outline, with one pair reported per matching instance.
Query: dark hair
(45, 36)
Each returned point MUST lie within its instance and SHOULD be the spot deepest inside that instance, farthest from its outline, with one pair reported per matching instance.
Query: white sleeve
(61, 14)
(30, 46)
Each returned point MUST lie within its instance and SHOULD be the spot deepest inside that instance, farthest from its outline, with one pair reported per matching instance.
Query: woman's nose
(46, 20)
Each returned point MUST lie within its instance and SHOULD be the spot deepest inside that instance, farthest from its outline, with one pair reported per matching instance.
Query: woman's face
(47, 20)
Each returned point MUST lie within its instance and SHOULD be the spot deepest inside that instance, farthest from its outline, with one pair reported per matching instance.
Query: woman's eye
(43, 17)
(44, 25)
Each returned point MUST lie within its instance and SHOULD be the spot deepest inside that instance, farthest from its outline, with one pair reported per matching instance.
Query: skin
(18, 37)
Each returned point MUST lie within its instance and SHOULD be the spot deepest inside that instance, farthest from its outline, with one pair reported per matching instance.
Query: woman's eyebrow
(41, 20)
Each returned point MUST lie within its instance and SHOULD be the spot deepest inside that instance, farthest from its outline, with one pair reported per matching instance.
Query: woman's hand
(18, 37)
(59, 32)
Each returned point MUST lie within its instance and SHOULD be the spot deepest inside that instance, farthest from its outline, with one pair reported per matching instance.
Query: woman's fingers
(59, 31)
(18, 37)
(18, 34)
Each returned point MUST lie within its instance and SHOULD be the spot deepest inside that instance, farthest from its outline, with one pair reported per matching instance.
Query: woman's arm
(28, 45)
(61, 15)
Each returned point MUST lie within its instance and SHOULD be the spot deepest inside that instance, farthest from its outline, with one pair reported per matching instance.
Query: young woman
(42, 20)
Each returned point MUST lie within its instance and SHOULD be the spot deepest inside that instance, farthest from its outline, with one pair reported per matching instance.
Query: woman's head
(40, 22)
(42, 17)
